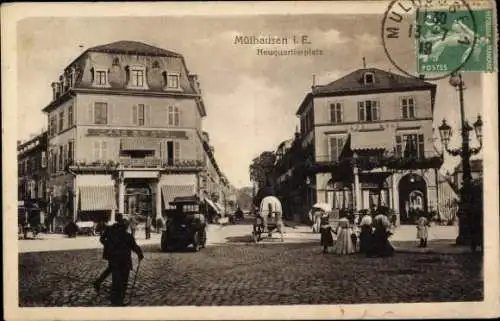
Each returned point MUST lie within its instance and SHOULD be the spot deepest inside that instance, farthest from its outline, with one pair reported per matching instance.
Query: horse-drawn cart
(269, 219)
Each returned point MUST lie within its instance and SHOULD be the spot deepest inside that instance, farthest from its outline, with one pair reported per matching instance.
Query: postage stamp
(253, 160)
(456, 38)
(444, 36)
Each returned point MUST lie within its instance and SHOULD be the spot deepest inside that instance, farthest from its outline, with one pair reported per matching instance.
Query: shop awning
(97, 198)
(139, 143)
(169, 192)
(212, 205)
(371, 140)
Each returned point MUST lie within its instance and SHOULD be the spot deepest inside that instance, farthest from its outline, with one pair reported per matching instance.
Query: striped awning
(139, 143)
(213, 205)
(169, 192)
(97, 198)
(371, 140)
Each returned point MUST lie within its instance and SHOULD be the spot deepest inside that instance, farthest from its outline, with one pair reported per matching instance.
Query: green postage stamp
(463, 39)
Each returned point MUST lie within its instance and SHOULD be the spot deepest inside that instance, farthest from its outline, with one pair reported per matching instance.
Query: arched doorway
(138, 199)
(412, 197)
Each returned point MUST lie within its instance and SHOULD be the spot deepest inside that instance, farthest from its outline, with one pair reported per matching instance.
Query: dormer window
(369, 78)
(137, 77)
(172, 81)
(100, 77)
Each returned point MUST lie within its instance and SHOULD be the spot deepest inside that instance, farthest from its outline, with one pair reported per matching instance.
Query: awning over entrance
(371, 140)
(212, 205)
(169, 192)
(139, 143)
(97, 198)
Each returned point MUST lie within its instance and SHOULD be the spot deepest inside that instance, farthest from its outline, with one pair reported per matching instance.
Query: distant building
(32, 179)
(366, 140)
(125, 133)
(476, 166)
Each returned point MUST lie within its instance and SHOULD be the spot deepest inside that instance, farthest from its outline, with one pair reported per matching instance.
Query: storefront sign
(107, 132)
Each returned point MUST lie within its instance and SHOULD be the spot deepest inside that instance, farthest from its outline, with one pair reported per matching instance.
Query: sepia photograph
(249, 161)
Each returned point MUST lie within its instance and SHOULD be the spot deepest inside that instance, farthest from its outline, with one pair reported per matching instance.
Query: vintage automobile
(185, 225)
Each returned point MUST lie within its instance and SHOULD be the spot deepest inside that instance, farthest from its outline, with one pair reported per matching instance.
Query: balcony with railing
(140, 163)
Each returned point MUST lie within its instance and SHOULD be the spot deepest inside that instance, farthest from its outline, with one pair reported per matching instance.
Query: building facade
(32, 179)
(125, 133)
(365, 141)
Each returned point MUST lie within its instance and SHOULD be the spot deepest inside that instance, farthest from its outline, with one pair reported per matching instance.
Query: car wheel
(196, 242)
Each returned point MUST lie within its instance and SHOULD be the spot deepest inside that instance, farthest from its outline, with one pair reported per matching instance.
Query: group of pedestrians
(118, 246)
(373, 240)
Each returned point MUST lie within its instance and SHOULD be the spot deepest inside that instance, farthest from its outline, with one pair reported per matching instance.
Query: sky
(251, 100)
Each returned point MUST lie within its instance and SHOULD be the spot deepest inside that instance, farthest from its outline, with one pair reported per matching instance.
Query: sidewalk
(60, 242)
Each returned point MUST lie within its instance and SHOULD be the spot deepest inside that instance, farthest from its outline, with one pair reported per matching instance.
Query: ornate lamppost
(464, 214)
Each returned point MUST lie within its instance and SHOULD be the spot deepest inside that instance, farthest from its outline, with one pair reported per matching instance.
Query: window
(369, 78)
(44, 160)
(410, 146)
(368, 110)
(155, 64)
(70, 116)
(101, 77)
(100, 150)
(53, 125)
(140, 115)
(100, 113)
(336, 113)
(137, 77)
(336, 147)
(116, 61)
(172, 81)
(173, 116)
(407, 108)
(70, 80)
(61, 121)
(70, 152)
(61, 158)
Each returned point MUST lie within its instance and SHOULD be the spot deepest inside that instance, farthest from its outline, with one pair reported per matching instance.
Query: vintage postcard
(257, 160)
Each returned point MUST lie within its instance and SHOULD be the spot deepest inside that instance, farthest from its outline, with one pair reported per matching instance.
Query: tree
(262, 169)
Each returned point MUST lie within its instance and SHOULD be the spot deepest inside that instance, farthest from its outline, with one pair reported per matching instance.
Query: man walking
(104, 239)
(121, 244)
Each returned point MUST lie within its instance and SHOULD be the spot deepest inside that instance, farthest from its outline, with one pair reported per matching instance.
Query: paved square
(250, 274)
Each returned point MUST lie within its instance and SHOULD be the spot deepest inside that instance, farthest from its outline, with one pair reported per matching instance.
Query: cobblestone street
(239, 273)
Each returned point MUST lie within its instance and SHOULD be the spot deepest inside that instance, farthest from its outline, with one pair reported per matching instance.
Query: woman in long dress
(365, 236)
(381, 245)
(344, 244)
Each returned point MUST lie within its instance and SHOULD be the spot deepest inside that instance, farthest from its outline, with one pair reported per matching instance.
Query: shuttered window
(336, 146)
(336, 113)
(368, 111)
(177, 150)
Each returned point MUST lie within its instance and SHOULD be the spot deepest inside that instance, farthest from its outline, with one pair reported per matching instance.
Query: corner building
(125, 133)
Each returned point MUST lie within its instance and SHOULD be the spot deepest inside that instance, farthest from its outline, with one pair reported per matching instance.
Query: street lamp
(465, 152)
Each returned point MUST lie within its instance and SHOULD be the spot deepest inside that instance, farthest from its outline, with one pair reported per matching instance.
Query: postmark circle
(440, 40)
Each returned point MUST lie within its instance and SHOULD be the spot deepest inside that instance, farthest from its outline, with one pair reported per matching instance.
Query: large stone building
(365, 140)
(125, 133)
(32, 179)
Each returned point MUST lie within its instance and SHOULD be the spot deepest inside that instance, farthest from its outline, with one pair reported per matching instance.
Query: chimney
(313, 81)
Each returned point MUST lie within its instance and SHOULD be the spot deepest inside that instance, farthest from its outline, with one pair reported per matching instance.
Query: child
(422, 230)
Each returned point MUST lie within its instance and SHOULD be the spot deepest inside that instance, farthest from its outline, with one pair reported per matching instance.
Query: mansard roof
(133, 48)
(353, 84)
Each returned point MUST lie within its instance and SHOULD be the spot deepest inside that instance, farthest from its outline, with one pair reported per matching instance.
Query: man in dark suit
(121, 244)
(105, 254)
